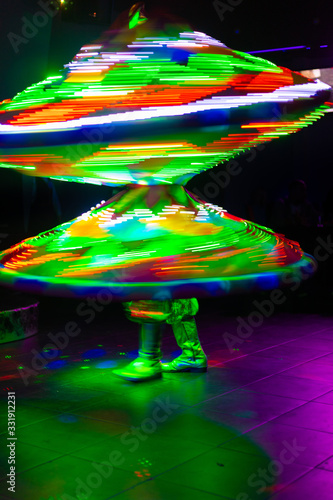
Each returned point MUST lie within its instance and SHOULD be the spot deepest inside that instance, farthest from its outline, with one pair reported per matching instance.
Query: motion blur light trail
(153, 242)
(142, 107)
(150, 106)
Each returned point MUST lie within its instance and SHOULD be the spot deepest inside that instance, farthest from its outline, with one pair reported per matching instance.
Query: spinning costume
(149, 107)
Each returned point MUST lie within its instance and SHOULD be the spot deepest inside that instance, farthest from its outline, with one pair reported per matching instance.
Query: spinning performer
(148, 106)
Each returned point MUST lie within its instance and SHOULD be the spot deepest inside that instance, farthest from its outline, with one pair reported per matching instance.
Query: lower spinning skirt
(157, 243)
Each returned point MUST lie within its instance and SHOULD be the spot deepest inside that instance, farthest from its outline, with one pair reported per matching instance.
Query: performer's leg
(151, 315)
(192, 358)
(147, 365)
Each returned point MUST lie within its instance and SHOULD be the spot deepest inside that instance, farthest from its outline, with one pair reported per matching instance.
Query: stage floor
(257, 425)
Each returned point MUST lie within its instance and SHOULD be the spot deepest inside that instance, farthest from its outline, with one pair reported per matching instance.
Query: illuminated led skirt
(154, 242)
(159, 150)
(153, 106)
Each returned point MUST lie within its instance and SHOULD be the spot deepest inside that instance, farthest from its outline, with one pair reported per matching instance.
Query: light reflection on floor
(258, 425)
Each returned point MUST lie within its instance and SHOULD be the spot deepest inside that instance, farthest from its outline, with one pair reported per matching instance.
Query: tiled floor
(257, 425)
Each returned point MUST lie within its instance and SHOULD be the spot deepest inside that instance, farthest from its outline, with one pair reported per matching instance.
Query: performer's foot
(140, 370)
(186, 364)
(192, 358)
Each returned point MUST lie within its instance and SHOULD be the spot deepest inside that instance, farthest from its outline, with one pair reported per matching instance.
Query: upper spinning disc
(152, 104)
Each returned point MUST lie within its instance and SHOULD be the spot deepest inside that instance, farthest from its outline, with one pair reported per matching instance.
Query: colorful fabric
(166, 311)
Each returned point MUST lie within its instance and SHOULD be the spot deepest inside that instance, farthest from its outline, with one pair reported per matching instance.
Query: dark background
(245, 25)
